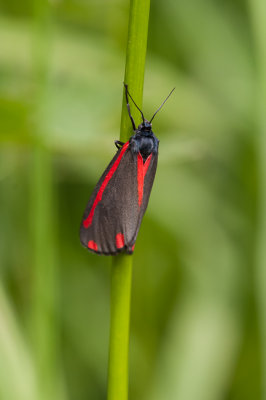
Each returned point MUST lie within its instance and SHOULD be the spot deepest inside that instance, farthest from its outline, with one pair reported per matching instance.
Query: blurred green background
(198, 307)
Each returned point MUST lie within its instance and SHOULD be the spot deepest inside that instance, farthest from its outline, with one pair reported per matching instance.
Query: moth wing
(111, 217)
(147, 187)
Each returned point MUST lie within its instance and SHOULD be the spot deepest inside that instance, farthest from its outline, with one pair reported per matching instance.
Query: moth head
(145, 126)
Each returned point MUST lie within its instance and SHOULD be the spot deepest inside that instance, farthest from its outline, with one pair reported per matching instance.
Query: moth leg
(128, 108)
(119, 144)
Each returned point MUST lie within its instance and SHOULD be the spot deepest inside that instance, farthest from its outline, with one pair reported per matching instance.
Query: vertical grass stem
(121, 270)
(258, 15)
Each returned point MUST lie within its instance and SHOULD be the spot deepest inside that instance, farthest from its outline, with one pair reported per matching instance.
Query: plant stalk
(121, 270)
(44, 323)
(258, 15)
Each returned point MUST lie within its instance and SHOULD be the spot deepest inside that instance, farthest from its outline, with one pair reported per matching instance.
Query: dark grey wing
(110, 220)
(147, 187)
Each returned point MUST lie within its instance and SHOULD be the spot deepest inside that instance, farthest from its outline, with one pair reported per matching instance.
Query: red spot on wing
(92, 245)
(87, 222)
(133, 247)
(120, 240)
(142, 170)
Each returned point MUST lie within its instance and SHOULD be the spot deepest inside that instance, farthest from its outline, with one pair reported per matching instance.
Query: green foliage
(196, 327)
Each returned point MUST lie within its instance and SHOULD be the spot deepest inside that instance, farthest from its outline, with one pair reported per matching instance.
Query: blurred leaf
(16, 368)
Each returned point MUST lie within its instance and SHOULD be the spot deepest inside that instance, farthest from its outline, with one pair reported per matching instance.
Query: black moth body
(113, 215)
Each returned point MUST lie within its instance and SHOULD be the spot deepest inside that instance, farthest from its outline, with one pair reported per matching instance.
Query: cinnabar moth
(115, 210)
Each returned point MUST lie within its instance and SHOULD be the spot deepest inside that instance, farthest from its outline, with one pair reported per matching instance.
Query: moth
(113, 215)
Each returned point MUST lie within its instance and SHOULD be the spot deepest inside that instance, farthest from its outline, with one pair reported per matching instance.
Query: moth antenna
(162, 103)
(127, 93)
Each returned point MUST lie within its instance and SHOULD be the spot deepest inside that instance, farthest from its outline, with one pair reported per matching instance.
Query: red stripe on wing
(87, 222)
(142, 170)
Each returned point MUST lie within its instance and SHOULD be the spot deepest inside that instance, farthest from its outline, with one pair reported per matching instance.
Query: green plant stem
(121, 270)
(44, 324)
(119, 329)
(135, 62)
(258, 14)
